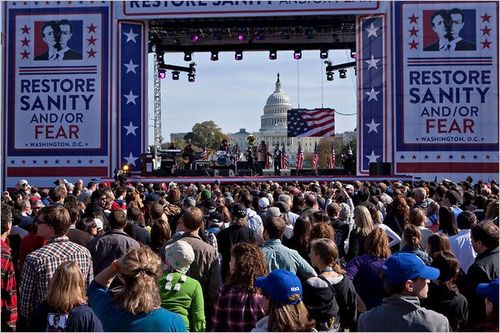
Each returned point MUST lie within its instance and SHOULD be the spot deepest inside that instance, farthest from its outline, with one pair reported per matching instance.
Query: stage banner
(132, 80)
(446, 118)
(56, 93)
(372, 91)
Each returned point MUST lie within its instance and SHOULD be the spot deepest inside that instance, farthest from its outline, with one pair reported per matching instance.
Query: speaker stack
(380, 169)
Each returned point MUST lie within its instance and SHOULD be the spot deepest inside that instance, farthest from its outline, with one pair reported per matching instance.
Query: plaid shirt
(236, 310)
(9, 292)
(40, 266)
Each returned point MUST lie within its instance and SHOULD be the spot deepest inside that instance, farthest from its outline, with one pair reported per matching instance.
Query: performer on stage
(188, 157)
(277, 160)
(348, 161)
(224, 146)
(250, 158)
(261, 157)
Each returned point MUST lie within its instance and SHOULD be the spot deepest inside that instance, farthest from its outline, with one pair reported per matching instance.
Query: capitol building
(273, 127)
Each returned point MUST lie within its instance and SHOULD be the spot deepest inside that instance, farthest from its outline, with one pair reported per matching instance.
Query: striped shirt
(40, 266)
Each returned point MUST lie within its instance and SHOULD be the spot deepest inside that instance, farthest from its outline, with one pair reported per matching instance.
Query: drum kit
(221, 158)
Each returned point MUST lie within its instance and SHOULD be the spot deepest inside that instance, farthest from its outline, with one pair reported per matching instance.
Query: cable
(298, 86)
(321, 79)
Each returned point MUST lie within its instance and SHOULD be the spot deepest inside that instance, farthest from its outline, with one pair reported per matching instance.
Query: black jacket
(450, 303)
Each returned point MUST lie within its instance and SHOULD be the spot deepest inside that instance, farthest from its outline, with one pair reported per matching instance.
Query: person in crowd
(136, 218)
(53, 223)
(484, 237)
(444, 296)
(412, 238)
(322, 230)
(74, 234)
(300, 240)
(65, 308)
(236, 233)
(363, 225)
(9, 286)
(452, 200)
(136, 307)
(432, 221)
(422, 200)
(490, 292)
(331, 296)
(398, 215)
(406, 280)
(417, 218)
(113, 244)
(279, 256)
(283, 304)
(25, 219)
(89, 226)
(160, 234)
(96, 206)
(341, 227)
(364, 271)
(310, 205)
(394, 239)
(239, 303)
(179, 293)
(436, 243)
(461, 244)
(447, 223)
(492, 211)
(254, 220)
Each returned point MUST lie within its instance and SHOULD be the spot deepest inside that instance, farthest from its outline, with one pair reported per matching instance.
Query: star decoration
(35, 161)
(131, 66)
(414, 157)
(475, 157)
(426, 157)
(25, 54)
(26, 42)
(372, 62)
(79, 161)
(450, 157)
(131, 97)
(486, 44)
(413, 32)
(26, 29)
(485, 18)
(12, 162)
(68, 161)
(487, 157)
(46, 162)
(372, 158)
(438, 157)
(372, 31)
(462, 157)
(91, 161)
(413, 19)
(372, 94)
(91, 53)
(413, 44)
(91, 28)
(91, 40)
(131, 159)
(486, 31)
(402, 157)
(372, 127)
(23, 162)
(130, 36)
(56, 161)
(130, 129)
(102, 161)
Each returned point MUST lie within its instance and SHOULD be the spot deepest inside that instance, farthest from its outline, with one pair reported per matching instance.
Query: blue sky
(233, 93)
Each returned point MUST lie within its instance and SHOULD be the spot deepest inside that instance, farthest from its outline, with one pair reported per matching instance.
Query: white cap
(263, 202)
(179, 255)
(23, 182)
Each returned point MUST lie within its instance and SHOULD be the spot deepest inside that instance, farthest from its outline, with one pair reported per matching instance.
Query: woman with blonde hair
(65, 308)
(137, 306)
(363, 225)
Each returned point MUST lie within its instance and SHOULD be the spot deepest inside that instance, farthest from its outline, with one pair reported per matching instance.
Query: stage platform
(247, 179)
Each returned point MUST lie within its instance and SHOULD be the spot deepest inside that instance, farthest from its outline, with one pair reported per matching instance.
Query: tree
(206, 134)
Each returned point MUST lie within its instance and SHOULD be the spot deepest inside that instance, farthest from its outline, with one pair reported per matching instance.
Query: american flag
(307, 123)
(284, 158)
(331, 160)
(300, 159)
(204, 155)
(315, 157)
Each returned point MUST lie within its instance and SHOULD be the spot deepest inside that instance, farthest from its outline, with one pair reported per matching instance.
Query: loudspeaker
(242, 165)
(244, 172)
(224, 172)
(326, 172)
(303, 172)
(380, 169)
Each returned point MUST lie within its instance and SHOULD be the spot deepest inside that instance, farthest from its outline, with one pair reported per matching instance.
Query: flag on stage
(284, 158)
(315, 157)
(307, 123)
(204, 155)
(331, 160)
(300, 159)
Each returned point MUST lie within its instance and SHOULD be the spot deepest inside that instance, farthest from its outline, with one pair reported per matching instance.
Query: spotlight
(191, 77)
(238, 55)
(297, 54)
(195, 37)
(159, 58)
(260, 34)
(329, 76)
(323, 54)
(162, 73)
(342, 73)
(308, 33)
(241, 37)
(125, 168)
(353, 53)
(175, 75)
(214, 56)
(273, 54)
(187, 56)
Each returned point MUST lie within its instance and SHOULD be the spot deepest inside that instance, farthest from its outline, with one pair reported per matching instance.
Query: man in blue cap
(490, 293)
(406, 279)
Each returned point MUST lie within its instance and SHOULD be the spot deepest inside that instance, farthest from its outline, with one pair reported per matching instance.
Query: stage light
(323, 54)
(162, 73)
(238, 55)
(125, 168)
(214, 56)
(273, 54)
(308, 33)
(175, 75)
(297, 54)
(191, 77)
(241, 36)
(329, 76)
(160, 58)
(187, 56)
(342, 73)
(195, 37)
(260, 34)
(353, 53)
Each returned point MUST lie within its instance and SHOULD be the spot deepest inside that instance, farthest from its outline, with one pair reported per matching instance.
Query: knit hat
(263, 202)
(281, 286)
(206, 194)
(239, 211)
(179, 255)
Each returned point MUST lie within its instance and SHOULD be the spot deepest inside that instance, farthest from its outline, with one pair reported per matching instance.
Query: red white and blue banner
(310, 123)
(446, 98)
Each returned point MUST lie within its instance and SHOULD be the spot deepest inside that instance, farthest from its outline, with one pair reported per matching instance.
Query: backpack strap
(329, 285)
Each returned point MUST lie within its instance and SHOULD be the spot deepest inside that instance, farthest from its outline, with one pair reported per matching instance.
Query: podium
(147, 163)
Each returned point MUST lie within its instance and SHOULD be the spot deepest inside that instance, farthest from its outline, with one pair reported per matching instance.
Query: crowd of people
(255, 256)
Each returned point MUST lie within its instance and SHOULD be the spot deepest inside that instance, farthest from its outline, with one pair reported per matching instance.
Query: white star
(131, 129)
(130, 67)
(131, 97)
(131, 159)
(372, 31)
(372, 158)
(371, 63)
(131, 36)
(372, 95)
(373, 126)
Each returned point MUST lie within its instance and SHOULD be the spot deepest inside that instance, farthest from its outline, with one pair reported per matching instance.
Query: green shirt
(187, 302)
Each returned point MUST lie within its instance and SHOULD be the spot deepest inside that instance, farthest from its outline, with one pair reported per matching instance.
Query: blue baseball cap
(490, 290)
(401, 267)
(281, 286)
